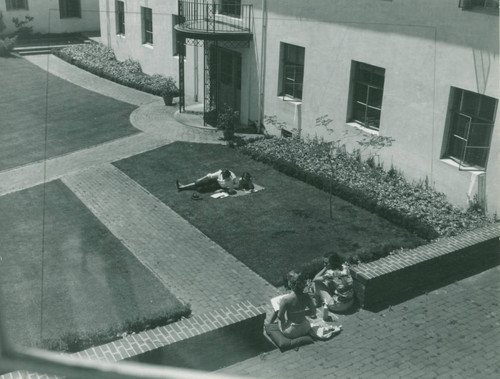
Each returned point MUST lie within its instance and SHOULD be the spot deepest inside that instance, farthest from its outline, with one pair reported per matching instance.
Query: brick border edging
(136, 344)
(401, 276)
(149, 340)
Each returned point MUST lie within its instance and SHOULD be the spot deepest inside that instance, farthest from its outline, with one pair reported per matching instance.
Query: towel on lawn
(220, 194)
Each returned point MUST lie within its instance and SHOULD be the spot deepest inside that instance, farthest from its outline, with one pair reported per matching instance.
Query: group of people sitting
(332, 286)
(221, 179)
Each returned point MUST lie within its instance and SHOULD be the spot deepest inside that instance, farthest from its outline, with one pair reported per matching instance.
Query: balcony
(215, 21)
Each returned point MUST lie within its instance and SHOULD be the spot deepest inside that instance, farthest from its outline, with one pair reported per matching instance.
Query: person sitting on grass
(333, 285)
(222, 179)
(294, 307)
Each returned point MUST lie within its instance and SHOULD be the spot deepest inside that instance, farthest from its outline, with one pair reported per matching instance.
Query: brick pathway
(453, 332)
(192, 267)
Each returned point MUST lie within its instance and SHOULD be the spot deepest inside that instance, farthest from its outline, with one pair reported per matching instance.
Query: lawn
(83, 280)
(271, 231)
(43, 116)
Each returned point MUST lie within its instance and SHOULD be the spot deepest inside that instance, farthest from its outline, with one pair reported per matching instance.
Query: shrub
(101, 60)
(7, 45)
(226, 118)
(417, 208)
(80, 340)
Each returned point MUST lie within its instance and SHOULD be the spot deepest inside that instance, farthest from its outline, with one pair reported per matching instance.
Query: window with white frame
(292, 71)
(230, 8)
(471, 120)
(120, 18)
(70, 9)
(147, 25)
(367, 90)
(12, 5)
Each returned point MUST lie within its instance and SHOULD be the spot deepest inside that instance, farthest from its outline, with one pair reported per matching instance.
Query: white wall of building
(47, 18)
(425, 47)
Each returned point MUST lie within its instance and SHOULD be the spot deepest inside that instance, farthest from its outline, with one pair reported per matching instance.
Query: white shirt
(228, 183)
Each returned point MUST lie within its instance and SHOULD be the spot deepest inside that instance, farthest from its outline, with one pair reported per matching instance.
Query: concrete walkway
(453, 332)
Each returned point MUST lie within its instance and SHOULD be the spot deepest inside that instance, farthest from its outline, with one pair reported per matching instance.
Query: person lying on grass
(294, 307)
(222, 179)
(333, 285)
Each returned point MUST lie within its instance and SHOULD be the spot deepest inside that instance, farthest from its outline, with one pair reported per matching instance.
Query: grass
(44, 116)
(271, 231)
(63, 273)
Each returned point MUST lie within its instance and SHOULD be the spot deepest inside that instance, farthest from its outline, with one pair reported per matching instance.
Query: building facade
(424, 74)
(52, 16)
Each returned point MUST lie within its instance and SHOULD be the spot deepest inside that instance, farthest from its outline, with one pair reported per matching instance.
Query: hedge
(100, 60)
(414, 206)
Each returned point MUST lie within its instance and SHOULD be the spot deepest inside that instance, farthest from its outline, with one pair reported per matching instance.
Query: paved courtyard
(452, 332)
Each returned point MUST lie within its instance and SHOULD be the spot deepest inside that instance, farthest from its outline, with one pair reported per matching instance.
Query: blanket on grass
(220, 194)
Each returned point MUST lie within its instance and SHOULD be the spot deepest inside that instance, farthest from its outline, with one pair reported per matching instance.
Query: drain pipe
(262, 80)
(195, 73)
(108, 26)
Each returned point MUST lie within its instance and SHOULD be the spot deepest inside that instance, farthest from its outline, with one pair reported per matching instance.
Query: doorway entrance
(222, 82)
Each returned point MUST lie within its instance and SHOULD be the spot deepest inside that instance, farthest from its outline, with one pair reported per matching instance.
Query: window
(367, 90)
(230, 7)
(471, 125)
(147, 25)
(70, 8)
(478, 4)
(177, 43)
(120, 17)
(12, 5)
(292, 71)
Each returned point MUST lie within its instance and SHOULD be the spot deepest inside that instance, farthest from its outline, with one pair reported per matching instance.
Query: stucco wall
(159, 58)
(47, 20)
(424, 50)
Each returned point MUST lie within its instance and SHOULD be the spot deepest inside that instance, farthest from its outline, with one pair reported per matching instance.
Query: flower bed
(415, 206)
(101, 61)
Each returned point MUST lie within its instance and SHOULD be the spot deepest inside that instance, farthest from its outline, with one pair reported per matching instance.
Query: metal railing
(205, 16)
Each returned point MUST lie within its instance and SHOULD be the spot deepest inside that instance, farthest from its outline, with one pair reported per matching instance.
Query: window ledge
(177, 57)
(121, 35)
(363, 128)
(148, 45)
(290, 100)
(454, 164)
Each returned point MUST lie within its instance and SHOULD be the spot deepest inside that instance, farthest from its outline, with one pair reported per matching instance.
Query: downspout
(108, 26)
(262, 79)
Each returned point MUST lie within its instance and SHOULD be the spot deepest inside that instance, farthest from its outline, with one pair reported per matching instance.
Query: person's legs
(192, 186)
(297, 330)
(321, 292)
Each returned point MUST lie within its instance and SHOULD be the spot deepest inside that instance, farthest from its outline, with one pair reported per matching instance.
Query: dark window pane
(378, 80)
(479, 134)
(364, 75)
(359, 113)
(375, 97)
(361, 93)
(456, 148)
(456, 99)
(460, 125)
(487, 108)
(372, 118)
(470, 103)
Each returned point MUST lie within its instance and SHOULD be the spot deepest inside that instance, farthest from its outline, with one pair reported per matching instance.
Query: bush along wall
(101, 61)
(414, 206)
